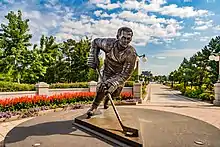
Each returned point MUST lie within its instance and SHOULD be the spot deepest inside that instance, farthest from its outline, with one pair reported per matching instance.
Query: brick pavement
(162, 99)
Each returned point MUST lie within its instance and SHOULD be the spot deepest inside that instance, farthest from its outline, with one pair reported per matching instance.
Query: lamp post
(144, 59)
(216, 102)
(216, 57)
(171, 80)
(137, 87)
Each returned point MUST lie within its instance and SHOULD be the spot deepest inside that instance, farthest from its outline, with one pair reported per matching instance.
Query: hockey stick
(126, 130)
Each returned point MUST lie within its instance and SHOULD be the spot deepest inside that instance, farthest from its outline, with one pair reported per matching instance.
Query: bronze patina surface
(107, 124)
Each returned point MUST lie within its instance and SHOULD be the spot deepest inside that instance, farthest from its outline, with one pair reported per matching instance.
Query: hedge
(11, 87)
(69, 85)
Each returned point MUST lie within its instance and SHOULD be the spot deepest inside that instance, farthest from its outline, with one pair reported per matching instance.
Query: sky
(165, 31)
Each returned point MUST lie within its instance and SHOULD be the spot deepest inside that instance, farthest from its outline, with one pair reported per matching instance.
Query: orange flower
(32, 101)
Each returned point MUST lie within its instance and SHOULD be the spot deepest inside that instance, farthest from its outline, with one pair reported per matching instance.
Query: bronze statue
(119, 63)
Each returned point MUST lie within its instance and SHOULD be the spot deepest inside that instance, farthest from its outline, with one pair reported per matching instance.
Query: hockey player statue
(119, 64)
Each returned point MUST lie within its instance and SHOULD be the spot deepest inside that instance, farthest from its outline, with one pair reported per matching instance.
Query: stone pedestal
(217, 94)
(42, 88)
(92, 86)
(137, 92)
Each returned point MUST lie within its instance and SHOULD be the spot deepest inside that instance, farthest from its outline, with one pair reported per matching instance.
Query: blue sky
(165, 30)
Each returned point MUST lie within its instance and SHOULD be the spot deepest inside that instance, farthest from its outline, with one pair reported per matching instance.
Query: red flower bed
(25, 102)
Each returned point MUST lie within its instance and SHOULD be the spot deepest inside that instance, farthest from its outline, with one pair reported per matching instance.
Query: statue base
(106, 125)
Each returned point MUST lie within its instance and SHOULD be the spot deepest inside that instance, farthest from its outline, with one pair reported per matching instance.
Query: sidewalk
(5, 127)
(165, 99)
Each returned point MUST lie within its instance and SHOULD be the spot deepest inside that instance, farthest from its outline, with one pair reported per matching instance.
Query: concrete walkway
(161, 98)
(164, 99)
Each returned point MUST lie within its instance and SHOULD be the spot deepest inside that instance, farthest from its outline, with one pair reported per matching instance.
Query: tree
(35, 68)
(15, 41)
(51, 54)
(199, 71)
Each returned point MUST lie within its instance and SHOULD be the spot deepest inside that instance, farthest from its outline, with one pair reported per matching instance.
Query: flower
(25, 102)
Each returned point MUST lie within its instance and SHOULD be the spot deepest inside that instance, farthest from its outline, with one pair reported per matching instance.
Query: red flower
(32, 101)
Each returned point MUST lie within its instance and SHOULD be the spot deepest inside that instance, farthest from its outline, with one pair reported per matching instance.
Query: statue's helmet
(124, 35)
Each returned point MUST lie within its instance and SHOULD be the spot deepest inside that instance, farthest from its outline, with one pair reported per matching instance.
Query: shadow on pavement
(67, 127)
(43, 129)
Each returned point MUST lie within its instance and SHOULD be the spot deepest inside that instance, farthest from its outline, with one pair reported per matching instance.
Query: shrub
(204, 96)
(10, 87)
(70, 85)
(129, 83)
(193, 93)
(178, 86)
(144, 92)
(211, 97)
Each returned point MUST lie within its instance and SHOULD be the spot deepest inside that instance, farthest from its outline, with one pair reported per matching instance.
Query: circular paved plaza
(157, 128)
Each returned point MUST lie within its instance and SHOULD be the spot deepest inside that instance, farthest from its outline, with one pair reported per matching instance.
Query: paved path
(162, 98)
(165, 99)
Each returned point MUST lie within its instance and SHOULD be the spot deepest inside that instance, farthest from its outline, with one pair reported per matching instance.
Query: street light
(216, 57)
(171, 75)
(144, 59)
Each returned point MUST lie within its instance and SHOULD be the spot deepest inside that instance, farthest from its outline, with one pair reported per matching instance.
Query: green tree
(15, 41)
(35, 68)
(50, 55)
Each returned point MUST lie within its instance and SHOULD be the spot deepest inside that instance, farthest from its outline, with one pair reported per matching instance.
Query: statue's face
(125, 38)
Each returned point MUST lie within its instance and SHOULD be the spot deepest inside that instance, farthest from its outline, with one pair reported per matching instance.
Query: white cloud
(210, 1)
(202, 25)
(171, 10)
(205, 38)
(142, 31)
(187, 1)
(190, 35)
(144, 18)
(40, 23)
(99, 1)
(102, 14)
(187, 52)
(161, 57)
(109, 6)
(201, 28)
(184, 40)
(129, 4)
(201, 22)
(158, 6)
(147, 28)
(182, 12)
(217, 28)
(98, 13)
